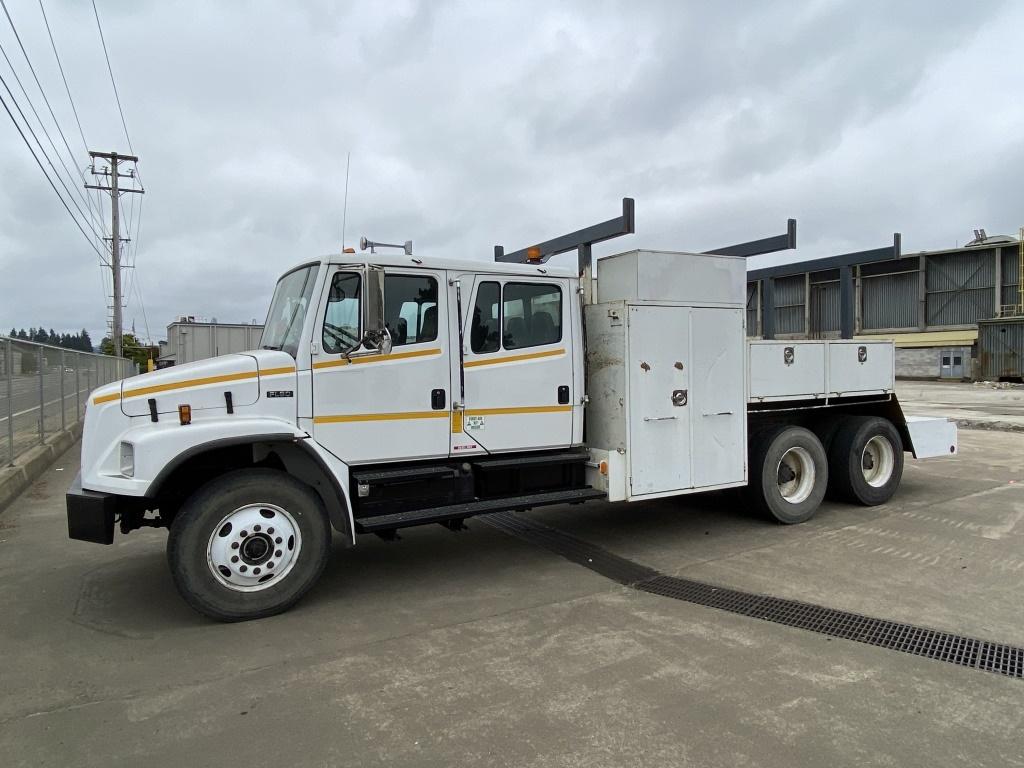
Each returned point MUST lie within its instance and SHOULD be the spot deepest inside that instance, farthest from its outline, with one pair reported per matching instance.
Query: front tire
(788, 474)
(249, 544)
(866, 460)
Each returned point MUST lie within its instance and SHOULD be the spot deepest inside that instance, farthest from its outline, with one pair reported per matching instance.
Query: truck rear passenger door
(517, 364)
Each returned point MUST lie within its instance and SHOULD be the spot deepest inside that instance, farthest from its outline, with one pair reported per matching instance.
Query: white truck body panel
(931, 437)
(811, 370)
(684, 278)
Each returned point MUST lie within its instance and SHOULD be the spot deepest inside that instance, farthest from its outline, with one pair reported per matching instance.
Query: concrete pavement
(475, 648)
(973, 405)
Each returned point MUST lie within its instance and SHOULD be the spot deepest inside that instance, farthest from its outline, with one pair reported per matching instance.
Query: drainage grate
(893, 635)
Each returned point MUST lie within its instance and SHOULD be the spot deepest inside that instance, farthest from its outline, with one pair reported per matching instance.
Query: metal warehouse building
(189, 340)
(929, 304)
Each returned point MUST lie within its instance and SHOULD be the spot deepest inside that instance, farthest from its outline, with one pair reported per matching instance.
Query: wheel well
(192, 470)
(824, 422)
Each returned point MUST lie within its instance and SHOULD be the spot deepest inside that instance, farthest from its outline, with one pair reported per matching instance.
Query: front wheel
(249, 544)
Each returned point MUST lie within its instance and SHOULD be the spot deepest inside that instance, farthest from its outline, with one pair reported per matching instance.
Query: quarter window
(483, 333)
(410, 308)
(341, 321)
(531, 315)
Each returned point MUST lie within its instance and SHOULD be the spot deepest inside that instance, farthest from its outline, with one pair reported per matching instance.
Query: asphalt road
(478, 649)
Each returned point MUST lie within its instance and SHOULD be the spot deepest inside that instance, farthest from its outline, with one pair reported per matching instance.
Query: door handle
(437, 399)
(563, 394)
(659, 418)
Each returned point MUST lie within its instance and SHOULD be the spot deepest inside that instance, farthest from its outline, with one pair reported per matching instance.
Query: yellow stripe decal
(350, 417)
(518, 410)
(191, 383)
(514, 358)
(377, 358)
(456, 422)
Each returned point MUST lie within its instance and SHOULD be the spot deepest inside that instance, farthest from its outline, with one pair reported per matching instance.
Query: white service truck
(395, 391)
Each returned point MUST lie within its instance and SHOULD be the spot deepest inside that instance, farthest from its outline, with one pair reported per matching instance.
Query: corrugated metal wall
(189, 342)
(824, 314)
(1011, 276)
(753, 326)
(960, 287)
(789, 304)
(889, 301)
(1001, 348)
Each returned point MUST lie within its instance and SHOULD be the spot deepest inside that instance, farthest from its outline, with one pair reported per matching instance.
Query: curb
(33, 463)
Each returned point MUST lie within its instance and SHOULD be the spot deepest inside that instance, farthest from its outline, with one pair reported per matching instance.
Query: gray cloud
(473, 124)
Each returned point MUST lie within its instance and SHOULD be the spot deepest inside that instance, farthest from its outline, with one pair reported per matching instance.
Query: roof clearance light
(348, 250)
(185, 414)
(533, 253)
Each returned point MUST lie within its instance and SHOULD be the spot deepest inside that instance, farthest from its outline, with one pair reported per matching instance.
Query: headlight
(127, 459)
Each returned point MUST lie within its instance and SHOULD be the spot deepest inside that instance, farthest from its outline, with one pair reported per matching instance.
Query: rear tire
(788, 474)
(247, 545)
(866, 460)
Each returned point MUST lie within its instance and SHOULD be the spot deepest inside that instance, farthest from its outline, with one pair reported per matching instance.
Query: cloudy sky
(475, 123)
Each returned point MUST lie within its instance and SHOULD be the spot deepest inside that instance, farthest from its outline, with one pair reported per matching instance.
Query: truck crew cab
(394, 391)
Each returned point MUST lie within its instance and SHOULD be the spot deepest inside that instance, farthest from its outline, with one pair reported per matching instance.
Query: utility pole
(115, 232)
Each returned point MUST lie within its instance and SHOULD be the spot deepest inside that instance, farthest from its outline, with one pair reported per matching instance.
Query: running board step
(483, 507)
(513, 462)
(408, 475)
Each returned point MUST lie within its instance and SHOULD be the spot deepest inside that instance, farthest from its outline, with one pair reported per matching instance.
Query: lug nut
(257, 528)
(243, 568)
(270, 564)
(243, 534)
(278, 553)
(278, 540)
(256, 571)
(234, 545)
(270, 531)
(234, 559)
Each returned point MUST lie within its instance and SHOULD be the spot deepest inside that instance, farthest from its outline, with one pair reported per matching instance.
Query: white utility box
(810, 370)
(665, 369)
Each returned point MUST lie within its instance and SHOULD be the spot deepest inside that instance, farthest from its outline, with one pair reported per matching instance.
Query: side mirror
(375, 332)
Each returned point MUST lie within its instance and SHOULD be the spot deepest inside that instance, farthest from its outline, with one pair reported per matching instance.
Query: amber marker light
(185, 414)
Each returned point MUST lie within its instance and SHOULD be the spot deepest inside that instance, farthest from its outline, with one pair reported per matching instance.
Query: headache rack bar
(582, 240)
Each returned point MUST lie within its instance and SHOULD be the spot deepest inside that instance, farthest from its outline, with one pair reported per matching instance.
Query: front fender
(156, 445)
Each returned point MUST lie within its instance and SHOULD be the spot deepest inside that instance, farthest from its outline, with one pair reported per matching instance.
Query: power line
(67, 88)
(39, 85)
(110, 69)
(62, 202)
(87, 219)
(74, 111)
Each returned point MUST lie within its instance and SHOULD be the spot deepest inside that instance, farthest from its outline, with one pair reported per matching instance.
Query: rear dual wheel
(866, 460)
(788, 473)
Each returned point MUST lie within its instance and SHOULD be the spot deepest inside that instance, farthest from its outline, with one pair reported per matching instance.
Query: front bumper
(90, 514)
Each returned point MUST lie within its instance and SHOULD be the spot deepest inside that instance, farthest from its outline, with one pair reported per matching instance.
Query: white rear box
(808, 370)
(669, 276)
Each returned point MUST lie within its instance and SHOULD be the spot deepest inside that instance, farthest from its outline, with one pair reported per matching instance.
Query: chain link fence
(43, 390)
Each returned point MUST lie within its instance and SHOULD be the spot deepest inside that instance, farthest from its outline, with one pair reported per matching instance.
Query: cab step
(471, 508)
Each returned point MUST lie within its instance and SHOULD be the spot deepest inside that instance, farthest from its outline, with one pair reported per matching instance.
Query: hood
(202, 384)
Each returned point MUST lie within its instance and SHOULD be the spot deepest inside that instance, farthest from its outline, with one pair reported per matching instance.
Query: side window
(341, 321)
(483, 333)
(410, 308)
(531, 315)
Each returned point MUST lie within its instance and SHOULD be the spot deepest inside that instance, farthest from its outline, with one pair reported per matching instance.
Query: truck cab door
(518, 364)
(370, 406)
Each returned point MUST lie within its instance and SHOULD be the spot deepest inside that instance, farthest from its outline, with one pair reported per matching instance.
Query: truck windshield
(288, 310)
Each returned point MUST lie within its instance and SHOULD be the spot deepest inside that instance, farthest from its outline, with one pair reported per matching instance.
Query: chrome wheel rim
(254, 547)
(877, 461)
(796, 475)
